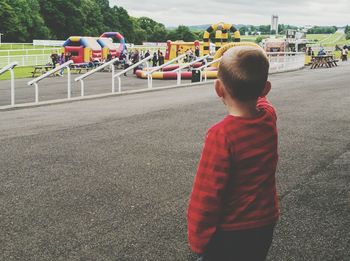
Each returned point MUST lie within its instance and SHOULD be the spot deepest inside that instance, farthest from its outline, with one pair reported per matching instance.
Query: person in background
(54, 58)
(321, 52)
(109, 57)
(136, 59)
(147, 54)
(344, 52)
(197, 52)
(61, 61)
(161, 59)
(68, 57)
(154, 59)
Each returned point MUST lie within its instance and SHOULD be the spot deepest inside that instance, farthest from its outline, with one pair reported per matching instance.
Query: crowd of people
(128, 59)
(59, 60)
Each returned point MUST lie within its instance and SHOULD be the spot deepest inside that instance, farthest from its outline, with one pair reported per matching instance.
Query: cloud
(296, 12)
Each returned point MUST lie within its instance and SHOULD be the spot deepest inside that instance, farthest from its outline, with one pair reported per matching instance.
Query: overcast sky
(256, 12)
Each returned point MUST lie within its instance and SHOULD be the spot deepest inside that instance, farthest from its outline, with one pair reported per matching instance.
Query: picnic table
(41, 69)
(79, 67)
(323, 60)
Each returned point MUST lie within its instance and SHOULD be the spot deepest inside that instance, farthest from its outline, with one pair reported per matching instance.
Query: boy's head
(244, 71)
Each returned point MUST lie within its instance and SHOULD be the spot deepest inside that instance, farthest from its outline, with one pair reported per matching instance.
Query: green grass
(20, 72)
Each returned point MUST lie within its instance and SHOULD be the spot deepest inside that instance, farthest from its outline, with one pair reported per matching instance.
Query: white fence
(14, 52)
(279, 62)
(25, 60)
(21, 46)
(284, 62)
(47, 43)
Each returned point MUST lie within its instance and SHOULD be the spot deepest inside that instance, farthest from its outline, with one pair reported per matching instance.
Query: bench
(41, 69)
(323, 60)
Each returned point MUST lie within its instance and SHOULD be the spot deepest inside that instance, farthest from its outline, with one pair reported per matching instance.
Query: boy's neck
(242, 109)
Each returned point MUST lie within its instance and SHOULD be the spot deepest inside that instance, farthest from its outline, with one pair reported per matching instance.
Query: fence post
(119, 84)
(36, 92)
(179, 78)
(12, 87)
(69, 90)
(82, 88)
(113, 81)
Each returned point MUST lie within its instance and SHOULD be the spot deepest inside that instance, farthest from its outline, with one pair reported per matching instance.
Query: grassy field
(326, 40)
(20, 72)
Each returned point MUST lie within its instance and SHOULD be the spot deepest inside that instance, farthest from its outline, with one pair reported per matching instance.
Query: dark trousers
(244, 245)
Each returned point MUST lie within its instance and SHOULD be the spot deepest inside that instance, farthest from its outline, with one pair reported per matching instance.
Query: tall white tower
(274, 24)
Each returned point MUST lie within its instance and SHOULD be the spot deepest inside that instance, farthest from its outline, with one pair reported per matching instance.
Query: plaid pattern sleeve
(206, 198)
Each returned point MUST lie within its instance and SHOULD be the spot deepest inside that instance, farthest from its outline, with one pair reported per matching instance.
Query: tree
(64, 18)
(155, 32)
(9, 25)
(347, 32)
(182, 33)
(31, 24)
(322, 30)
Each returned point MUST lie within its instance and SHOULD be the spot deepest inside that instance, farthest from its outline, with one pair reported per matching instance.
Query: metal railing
(97, 69)
(188, 65)
(206, 66)
(149, 74)
(10, 68)
(53, 71)
(129, 69)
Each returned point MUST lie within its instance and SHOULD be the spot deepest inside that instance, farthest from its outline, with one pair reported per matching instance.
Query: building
(274, 24)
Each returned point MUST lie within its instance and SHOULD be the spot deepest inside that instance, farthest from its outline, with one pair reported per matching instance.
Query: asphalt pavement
(109, 179)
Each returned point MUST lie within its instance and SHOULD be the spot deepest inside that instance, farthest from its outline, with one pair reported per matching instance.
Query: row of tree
(347, 32)
(25, 20)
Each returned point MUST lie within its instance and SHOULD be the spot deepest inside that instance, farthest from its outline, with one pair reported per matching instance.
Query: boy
(234, 207)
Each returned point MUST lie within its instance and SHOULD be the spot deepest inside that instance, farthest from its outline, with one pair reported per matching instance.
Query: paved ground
(56, 87)
(109, 179)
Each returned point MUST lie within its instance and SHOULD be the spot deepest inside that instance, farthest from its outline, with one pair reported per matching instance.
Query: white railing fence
(279, 62)
(206, 65)
(284, 62)
(21, 52)
(136, 65)
(10, 68)
(188, 65)
(149, 74)
(21, 46)
(53, 71)
(99, 68)
(26, 60)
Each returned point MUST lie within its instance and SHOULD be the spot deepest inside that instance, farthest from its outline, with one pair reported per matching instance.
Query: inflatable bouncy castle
(221, 36)
(108, 47)
(113, 35)
(83, 49)
(174, 49)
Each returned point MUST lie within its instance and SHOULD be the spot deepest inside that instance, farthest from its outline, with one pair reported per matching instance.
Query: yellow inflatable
(221, 36)
(224, 48)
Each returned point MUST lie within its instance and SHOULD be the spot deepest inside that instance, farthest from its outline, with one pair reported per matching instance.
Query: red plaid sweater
(235, 188)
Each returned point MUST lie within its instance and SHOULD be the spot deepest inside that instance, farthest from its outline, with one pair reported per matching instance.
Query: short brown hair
(244, 72)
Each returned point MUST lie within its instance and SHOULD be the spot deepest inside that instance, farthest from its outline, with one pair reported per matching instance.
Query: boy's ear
(266, 89)
(219, 88)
